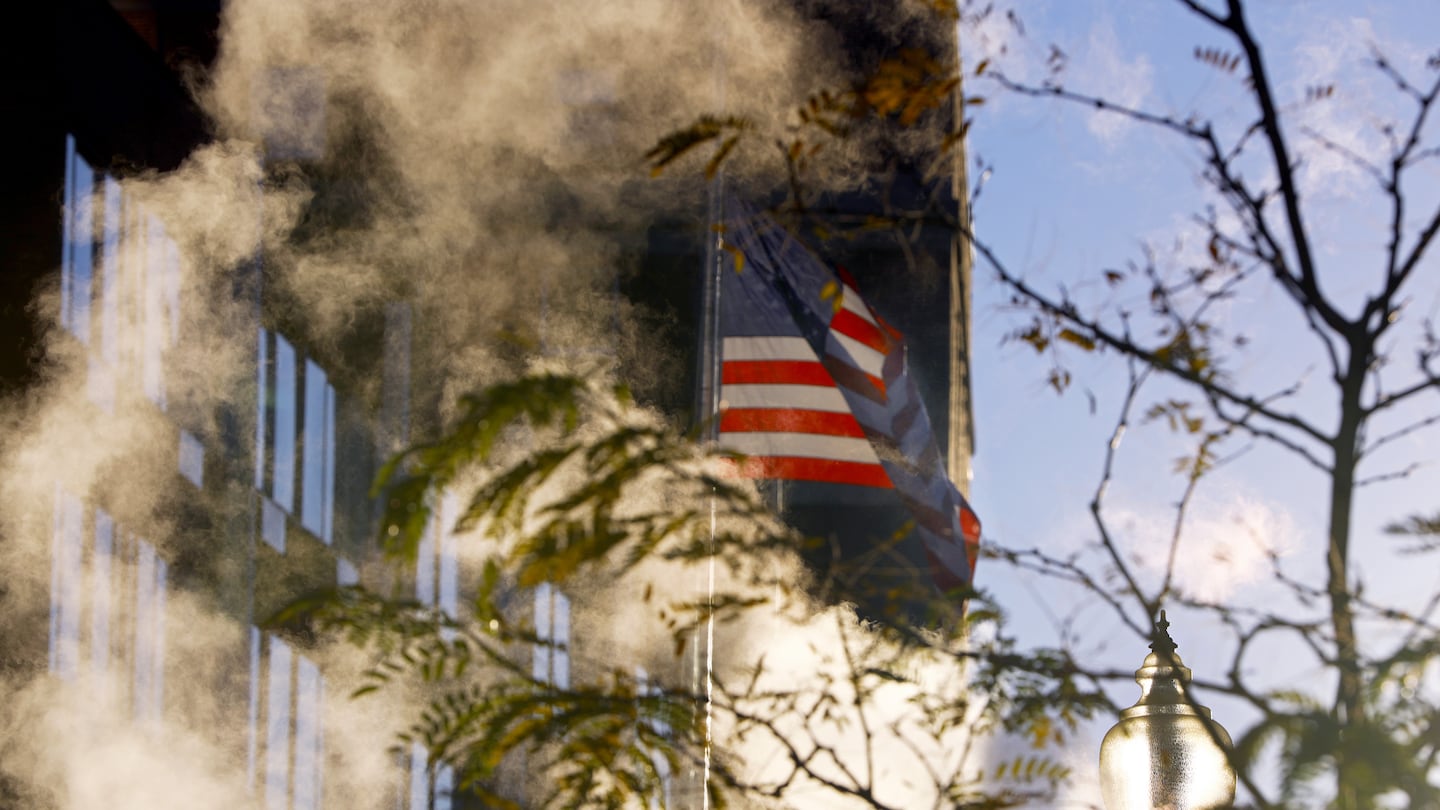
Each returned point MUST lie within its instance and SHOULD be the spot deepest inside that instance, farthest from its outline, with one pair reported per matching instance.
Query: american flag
(814, 388)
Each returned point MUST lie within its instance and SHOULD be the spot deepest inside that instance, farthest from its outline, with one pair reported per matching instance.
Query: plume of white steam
(890, 742)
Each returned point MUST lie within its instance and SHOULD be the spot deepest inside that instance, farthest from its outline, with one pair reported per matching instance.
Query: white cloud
(1103, 70)
(1227, 541)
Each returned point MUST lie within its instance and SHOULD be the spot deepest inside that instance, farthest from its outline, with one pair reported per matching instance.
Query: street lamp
(1166, 753)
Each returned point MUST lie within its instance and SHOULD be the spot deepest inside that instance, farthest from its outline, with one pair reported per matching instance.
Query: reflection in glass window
(262, 406)
(425, 792)
(107, 605)
(551, 661)
(282, 473)
(77, 258)
(120, 283)
(67, 579)
(308, 742)
(101, 602)
(160, 282)
(105, 352)
(277, 727)
(644, 688)
(286, 737)
(317, 504)
(437, 575)
(436, 585)
(150, 578)
(294, 440)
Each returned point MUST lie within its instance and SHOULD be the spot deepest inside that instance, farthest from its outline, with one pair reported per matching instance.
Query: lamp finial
(1160, 641)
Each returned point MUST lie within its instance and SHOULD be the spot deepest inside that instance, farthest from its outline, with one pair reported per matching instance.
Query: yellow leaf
(1071, 336)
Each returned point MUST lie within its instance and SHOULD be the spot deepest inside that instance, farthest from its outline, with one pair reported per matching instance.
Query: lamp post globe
(1166, 753)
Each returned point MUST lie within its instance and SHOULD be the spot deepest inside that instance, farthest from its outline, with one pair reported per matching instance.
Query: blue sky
(1073, 193)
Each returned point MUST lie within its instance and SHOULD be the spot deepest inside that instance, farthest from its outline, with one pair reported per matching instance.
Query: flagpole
(708, 412)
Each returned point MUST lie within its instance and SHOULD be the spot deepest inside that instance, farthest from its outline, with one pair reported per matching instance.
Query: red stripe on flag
(853, 326)
(792, 468)
(970, 526)
(793, 372)
(789, 420)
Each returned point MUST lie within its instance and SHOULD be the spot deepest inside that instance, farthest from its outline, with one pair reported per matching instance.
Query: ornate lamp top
(1160, 640)
(1166, 751)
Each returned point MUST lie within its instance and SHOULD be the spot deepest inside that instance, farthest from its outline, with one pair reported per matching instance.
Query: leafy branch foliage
(569, 484)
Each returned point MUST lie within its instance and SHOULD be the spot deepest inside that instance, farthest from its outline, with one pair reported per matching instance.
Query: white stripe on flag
(767, 348)
(850, 299)
(803, 445)
(859, 355)
(802, 397)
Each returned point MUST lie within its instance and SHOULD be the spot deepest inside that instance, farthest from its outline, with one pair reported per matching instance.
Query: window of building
(120, 284)
(428, 785)
(644, 688)
(427, 788)
(294, 422)
(317, 506)
(77, 263)
(551, 661)
(286, 737)
(290, 112)
(437, 574)
(282, 472)
(108, 593)
(192, 458)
